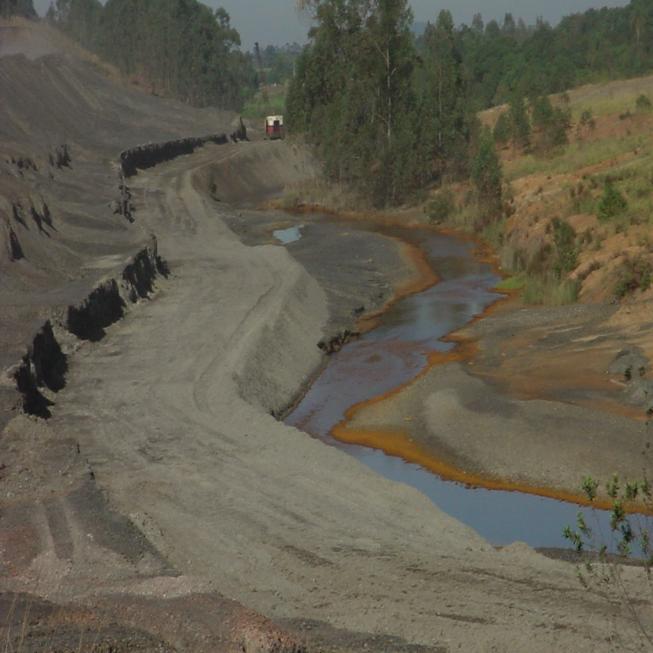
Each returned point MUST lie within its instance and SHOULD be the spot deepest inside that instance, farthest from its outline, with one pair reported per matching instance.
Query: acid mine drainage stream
(393, 354)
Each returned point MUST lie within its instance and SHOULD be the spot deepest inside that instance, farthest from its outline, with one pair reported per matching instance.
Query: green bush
(643, 103)
(564, 237)
(612, 203)
(503, 129)
(441, 206)
(550, 124)
(581, 199)
(635, 274)
(549, 291)
(586, 122)
(487, 176)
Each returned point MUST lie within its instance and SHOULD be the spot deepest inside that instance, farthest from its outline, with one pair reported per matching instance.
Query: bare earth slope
(162, 485)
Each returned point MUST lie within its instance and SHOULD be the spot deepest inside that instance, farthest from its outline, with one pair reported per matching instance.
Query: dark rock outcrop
(147, 156)
(100, 309)
(23, 164)
(60, 157)
(44, 366)
(337, 342)
(241, 133)
(15, 250)
(106, 304)
(630, 363)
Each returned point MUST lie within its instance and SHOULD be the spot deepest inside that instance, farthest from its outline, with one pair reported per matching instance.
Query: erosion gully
(395, 352)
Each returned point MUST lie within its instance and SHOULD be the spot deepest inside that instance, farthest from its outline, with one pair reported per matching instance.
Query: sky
(276, 22)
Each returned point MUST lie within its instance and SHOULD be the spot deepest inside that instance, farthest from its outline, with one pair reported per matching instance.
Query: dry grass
(576, 157)
(318, 192)
(610, 97)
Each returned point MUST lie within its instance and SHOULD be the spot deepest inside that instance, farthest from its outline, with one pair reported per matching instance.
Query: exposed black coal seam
(44, 366)
(142, 157)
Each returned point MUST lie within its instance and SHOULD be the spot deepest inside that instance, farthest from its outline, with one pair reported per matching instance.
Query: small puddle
(290, 235)
(393, 354)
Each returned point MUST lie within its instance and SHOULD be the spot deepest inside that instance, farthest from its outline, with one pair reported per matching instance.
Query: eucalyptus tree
(353, 93)
(24, 8)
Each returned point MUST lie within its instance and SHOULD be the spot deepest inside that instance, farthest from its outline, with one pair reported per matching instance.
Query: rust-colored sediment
(422, 278)
(398, 443)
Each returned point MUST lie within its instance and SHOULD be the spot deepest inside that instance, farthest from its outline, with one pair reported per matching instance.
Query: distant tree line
(385, 117)
(390, 112)
(276, 64)
(24, 8)
(182, 48)
(513, 58)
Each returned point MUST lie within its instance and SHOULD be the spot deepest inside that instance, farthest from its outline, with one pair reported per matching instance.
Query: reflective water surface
(392, 355)
(287, 236)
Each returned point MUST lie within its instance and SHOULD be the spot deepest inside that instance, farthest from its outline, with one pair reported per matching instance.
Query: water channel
(394, 353)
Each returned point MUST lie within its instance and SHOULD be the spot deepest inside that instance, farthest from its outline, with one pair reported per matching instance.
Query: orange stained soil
(422, 278)
(398, 443)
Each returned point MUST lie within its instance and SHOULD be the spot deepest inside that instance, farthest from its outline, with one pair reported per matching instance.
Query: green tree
(487, 177)
(612, 203)
(180, 47)
(24, 8)
(564, 238)
(519, 122)
(629, 535)
(353, 95)
(444, 137)
(503, 128)
(550, 125)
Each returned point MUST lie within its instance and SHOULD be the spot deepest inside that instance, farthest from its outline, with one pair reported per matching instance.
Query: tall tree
(179, 47)
(24, 8)
(443, 92)
(353, 94)
(487, 177)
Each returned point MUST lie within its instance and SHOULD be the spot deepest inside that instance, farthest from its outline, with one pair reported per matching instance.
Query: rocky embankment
(71, 268)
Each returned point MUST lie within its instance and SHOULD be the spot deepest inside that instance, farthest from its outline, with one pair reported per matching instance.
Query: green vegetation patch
(612, 204)
(516, 282)
(549, 291)
(266, 103)
(635, 274)
(577, 156)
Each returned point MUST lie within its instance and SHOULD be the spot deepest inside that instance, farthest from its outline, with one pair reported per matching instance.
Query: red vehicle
(274, 128)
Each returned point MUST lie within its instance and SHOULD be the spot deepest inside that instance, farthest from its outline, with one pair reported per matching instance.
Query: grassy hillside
(579, 221)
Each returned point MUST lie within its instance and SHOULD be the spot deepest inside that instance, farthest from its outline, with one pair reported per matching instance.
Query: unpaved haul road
(172, 412)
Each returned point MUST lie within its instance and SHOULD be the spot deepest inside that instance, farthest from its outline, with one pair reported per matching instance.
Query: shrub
(643, 103)
(487, 177)
(635, 274)
(549, 291)
(564, 237)
(551, 124)
(586, 121)
(441, 206)
(612, 203)
(503, 129)
(581, 199)
(519, 122)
